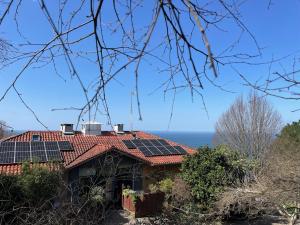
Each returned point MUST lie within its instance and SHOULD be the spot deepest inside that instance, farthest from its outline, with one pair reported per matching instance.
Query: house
(125, 159)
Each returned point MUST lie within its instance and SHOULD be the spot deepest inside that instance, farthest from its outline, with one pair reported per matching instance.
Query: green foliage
(209, 171)
(133, 194)
(10, 192)
(97, 195)
(166, 185)
(33, 186)
(38, 184)
(291, 131)
(153, 188)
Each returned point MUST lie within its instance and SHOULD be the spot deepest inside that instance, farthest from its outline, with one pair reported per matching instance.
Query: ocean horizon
(192, 139)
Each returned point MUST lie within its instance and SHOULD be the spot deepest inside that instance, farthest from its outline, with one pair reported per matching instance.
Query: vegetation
(2, 129)
(211, 170)
(36, 188)
(249, 126)
(164, 185)
(134, 195)
(40, 196)
(291, 132)
(212, 187)
(38, 184)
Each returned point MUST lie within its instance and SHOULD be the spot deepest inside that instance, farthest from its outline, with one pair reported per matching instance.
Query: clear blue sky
(276, 29)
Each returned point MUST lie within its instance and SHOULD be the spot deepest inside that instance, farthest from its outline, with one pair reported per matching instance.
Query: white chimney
(91, 128)
(119, 128)
(67, 128)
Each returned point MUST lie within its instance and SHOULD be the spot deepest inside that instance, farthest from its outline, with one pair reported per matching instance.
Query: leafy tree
(291, 131)
(209, 171)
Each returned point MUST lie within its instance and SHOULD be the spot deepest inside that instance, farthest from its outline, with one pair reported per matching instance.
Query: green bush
(10, 192)
(38, 184)
(166, 185)
(134, 195)
(209, 171)
(291, 132)
(35, 185)
(97, 195)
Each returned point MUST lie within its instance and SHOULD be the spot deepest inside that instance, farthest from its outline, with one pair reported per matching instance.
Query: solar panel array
(35, 151)
(154, 147)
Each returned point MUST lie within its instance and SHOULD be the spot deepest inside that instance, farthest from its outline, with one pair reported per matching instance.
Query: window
(36, 137)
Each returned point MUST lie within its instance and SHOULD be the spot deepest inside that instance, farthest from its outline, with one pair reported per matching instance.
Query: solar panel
(154, 147)
(65, 146)
(51, 145)
(145, 151)
(22, 156)
(180, 149)
(129, 144)
(18, 152)
(147, 143)
(7, 146)
(7, 157)
(154, 150)
(163, 142)
(22, 147)
(155, 142)
(53, 156)
(37, 146)
(164, 150)
(138, 143)
(39, 156)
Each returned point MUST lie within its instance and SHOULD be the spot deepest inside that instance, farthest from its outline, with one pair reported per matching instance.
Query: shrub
(97, 195)
(38, 184)
(10, 192)
(209, 171)
(134, 195)
(153, 188)
(291, 132)
(166, 185)
(28, 197)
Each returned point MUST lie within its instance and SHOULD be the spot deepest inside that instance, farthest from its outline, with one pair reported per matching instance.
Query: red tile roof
(88, 147)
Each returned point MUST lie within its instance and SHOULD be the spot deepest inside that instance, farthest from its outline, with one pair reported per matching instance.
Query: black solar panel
(22, 156)
(22, 146)
(54, 156)
(37, 146)
(145, 151)
(163, 142)
(147, 143)
(129, 144)
(51, 145)
(154, 147)
(155, 142)
(138, 143)
(155, 150)
(39, 156)
(18, 152)
(7, 157)
(180, 150)
(164, 150)
(65, 146)
(7, 146)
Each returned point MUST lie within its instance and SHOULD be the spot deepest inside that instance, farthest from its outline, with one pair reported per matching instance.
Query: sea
(191, 139)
